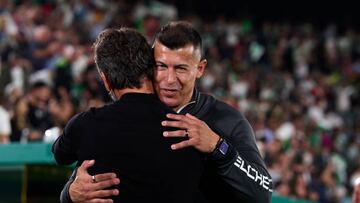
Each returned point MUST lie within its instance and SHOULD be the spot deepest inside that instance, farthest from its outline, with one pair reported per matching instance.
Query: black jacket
(126, 137)
(238, 176)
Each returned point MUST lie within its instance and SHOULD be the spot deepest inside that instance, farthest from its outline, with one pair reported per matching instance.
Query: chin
(169, 102)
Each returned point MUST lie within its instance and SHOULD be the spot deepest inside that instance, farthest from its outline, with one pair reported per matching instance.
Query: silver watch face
(223, 148)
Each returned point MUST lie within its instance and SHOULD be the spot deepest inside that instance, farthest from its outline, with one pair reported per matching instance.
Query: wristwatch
(222, 146)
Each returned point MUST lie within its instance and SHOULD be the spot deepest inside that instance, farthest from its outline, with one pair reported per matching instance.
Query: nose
(171, 76)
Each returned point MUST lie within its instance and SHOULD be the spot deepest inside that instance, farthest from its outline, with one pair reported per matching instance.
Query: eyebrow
(176, 65)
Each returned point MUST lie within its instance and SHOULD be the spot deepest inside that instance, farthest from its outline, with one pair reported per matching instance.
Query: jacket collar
(189, 107)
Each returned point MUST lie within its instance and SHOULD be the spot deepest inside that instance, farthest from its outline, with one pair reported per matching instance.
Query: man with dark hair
(39, 114)
(234, 170)
(125, 136)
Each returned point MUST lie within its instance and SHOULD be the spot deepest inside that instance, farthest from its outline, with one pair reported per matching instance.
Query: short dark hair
(38, 85)
(124, 56)
(178, 34)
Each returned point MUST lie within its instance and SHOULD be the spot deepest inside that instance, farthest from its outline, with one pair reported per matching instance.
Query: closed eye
(160, 66)
(181, 68)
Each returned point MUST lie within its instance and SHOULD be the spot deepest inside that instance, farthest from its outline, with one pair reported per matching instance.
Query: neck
(146, 88)
(179, 108)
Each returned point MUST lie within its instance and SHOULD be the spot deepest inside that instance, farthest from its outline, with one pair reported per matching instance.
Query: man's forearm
(243, 176)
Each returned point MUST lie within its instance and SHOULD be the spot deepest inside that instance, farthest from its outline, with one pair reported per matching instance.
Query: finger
(104, 193)
(100, 201)
(175, 116)
(181, 145)
(175, 133)
(176, 124)
(105, 184)
(85, 165)
(191, 116)
(104, 176)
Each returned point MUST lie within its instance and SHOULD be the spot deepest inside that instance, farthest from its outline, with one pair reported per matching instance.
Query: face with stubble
(176, 72)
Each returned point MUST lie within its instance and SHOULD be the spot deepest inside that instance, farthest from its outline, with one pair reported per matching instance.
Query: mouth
(169, 92)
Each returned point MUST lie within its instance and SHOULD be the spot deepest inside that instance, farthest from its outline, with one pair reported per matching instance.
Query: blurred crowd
(297, 84)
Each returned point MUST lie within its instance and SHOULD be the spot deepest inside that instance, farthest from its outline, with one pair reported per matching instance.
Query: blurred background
(292, 68)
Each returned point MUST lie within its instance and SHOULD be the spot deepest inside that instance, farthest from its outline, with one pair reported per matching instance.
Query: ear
(201, 68)
(105, 80)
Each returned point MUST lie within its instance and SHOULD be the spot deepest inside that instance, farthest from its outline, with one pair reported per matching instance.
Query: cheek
(187, 80)
(158, 77)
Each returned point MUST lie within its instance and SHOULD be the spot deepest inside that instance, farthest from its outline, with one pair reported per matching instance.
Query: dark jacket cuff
(223, 160)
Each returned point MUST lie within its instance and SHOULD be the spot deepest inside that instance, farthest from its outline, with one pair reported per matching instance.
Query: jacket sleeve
(65, 195)
(242, 167)
(65, 147)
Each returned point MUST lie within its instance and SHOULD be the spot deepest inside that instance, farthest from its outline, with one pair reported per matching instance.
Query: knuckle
(104, 184)
(111, 182)
(103, 193)
(107, 192)
(107, 177)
